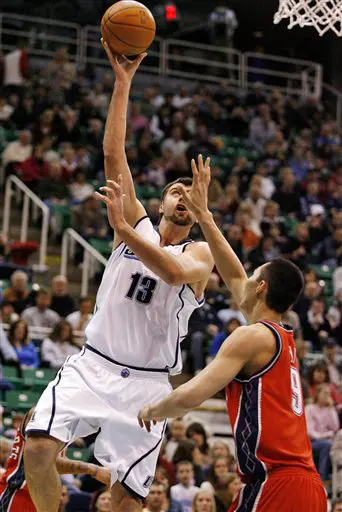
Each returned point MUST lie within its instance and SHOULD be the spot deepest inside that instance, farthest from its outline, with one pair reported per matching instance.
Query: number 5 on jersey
(142, 288)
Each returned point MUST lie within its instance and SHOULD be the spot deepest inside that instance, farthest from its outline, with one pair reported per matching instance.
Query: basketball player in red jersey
(258, 366)
(14, 494)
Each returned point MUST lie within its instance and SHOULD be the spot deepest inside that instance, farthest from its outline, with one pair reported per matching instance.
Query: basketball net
(324, 15)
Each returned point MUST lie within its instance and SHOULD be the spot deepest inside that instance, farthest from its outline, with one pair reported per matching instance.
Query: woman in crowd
(101, 501)
(323, 423)
(318, 374)
(218, 482)
(58, 346)
(221, 449)
(197, 433)
(204, 501)
(233, 487)
(24, 348)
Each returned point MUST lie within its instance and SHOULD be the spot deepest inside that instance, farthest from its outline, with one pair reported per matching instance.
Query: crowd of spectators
(276, 189)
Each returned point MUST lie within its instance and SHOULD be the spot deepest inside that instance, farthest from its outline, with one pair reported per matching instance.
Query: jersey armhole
(134, 227)
(272, 361)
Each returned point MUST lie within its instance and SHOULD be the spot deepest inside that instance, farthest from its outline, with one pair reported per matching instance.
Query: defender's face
(174, 209)
(254, 288)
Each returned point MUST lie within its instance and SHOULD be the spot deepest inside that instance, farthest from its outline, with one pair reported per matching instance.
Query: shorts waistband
(121, 369)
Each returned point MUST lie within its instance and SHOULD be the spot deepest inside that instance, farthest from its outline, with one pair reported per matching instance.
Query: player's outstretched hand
(114, 202)
(123, 68)
(145, 417)
(197, 199)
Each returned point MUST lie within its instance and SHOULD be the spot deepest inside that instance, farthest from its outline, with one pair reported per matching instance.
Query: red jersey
(267, 415)
(13, 487)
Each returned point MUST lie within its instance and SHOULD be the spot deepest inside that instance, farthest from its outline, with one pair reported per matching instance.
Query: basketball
(128, 27)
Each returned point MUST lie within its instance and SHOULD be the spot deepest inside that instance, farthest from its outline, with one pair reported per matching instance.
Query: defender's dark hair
(182, 181)
(285, 284)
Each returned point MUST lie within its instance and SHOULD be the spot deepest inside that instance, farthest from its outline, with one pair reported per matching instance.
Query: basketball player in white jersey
(152, 283)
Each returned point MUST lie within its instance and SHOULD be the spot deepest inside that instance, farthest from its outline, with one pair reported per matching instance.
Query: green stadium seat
(323, 271)
(81, 454)
(10, 373)
(63, 211)
(21, 400)
(38, 378)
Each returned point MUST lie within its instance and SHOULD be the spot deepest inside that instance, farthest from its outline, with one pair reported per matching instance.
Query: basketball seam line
(129, 25)
(126, 9)
(121, 40)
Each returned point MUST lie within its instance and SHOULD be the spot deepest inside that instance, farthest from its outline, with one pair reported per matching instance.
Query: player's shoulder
(201, 249)
(252, 338)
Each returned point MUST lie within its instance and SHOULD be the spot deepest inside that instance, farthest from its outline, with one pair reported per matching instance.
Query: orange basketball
(128, 27)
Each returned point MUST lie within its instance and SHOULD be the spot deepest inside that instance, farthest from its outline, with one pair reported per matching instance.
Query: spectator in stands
(221, 336)
(315, 322)
(17, 151)
(6, 111)
(266, 251)
(196, 432)
(34, 169)
(184, 491)
(178, 433)
(61, 300)
(336, 505)
(24, 348)
(60, 71)
(18, 294)
(287, 195)
(5, 248)
(41, 315)
(58, 346)
(203, 145)
(80, 319)
(188, 451)
(175, 143)
(157, 500)
(323, 423)
(52, 188)
(331, 250)
(69, 163)
(262, 129)
(5, 450)
(225, 315)
(45, 126)
(312, 290)
(204, 501)
(181, 99)
(101, 501)
(16, 68)
(7, 353)
(217, 479)
(221, 449)
(88, 220)
(234, 237)
(298, 248)
(233, 486)
(69, 129)
(334, 369)
(203, 326)
(24, 115)
(7, 313)
(317, 375)
(79, 189)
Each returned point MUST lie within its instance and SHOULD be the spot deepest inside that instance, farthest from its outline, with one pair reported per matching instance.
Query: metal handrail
(15, 182)
(89, 252)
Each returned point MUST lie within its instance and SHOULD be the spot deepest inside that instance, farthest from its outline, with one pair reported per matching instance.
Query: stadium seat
(323, 271)
(102, 246)
(38, 378)
(10, 373)
(21, 400)
(78, 454)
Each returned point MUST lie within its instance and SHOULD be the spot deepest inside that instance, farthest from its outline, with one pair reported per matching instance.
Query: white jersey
(140, 320)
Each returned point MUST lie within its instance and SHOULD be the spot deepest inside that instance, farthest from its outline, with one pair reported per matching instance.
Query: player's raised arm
(234, 354)
(227, 262)
(115, 132)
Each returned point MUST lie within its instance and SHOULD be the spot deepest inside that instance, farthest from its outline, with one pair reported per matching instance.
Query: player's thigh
(68, 401)
(129, 451)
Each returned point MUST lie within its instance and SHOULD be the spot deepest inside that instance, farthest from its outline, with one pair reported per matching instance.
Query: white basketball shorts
(93, 394)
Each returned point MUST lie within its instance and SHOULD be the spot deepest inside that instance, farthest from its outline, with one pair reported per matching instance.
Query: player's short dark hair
(182, 181)
(285, 284)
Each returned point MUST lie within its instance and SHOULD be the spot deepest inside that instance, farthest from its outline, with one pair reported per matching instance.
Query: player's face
(204, 502)
(174, 209)
(255, 287)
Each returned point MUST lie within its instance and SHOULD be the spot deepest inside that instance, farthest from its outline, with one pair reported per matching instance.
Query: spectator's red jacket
(33, 169)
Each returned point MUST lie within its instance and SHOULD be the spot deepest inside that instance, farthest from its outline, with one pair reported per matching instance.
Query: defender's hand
(123, 68)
